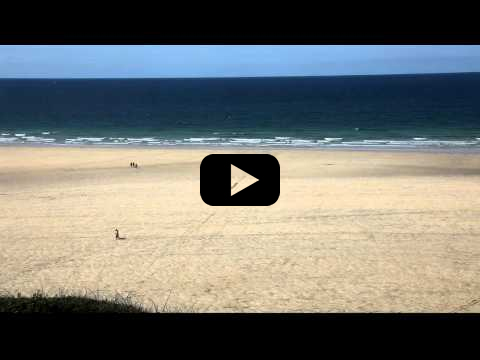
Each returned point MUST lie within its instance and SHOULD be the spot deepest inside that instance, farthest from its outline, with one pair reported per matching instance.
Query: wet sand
(352, 231)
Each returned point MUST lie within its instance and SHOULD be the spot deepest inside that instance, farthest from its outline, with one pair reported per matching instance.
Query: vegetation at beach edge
(87, 302)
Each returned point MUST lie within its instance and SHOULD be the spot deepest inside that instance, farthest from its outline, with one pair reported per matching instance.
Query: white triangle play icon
(240, 180)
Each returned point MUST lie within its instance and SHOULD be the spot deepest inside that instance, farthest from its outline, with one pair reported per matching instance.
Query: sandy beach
(352, 231)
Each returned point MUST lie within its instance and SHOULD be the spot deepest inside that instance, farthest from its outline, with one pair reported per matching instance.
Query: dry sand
(352, 231)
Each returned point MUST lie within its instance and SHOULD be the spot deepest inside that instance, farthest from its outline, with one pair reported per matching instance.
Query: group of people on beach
(133, 165)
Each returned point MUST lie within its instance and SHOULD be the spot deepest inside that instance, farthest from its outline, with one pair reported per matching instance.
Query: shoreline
(373, 148)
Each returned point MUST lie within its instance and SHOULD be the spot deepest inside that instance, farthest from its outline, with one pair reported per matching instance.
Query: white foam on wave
(355, 143)
(111, 143)
(276, 144)
(146, 139)
(91, 139)
(8, 139)
(38, 139)
(229, 144)
(201, 139)
(274, 141)
(449, 142)
(5, 134)
(46, 133)
(246, 141)
(360, 144)
(28, 139)
(375, 141)
(431, 143)
(302, 142)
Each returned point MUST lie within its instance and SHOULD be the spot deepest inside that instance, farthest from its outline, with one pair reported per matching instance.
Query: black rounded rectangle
(216, 179)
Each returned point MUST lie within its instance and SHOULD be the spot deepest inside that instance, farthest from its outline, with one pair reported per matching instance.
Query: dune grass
(70, 302)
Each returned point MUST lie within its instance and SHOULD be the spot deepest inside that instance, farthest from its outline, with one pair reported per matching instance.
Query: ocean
(394, 111)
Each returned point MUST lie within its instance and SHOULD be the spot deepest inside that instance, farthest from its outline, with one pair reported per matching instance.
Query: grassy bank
(63, 302)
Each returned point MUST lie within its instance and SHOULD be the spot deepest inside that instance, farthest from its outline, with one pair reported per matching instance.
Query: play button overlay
(240, 180)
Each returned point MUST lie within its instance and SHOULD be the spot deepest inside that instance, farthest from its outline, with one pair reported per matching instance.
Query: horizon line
(234, 77)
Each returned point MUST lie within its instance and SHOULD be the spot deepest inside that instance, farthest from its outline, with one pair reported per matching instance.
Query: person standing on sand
(117, 234)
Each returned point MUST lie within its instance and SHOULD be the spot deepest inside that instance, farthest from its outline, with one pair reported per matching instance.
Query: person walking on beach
(117, 234)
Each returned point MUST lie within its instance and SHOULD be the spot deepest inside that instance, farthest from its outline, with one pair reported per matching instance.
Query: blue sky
(88, 61)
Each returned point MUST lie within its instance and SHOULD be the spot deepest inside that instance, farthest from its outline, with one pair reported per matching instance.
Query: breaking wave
(46, 137)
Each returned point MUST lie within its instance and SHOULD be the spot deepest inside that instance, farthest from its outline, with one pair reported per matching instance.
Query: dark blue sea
(439, 111)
